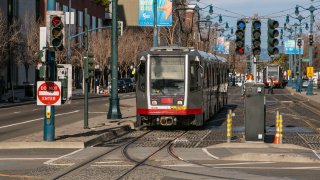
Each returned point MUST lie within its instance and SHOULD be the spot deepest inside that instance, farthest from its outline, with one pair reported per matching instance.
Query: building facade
(14, 74)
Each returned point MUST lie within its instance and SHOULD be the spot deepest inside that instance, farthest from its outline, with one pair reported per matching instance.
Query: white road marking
(109, 162)
(245, 167)
(22, 159)
(113, 165)
(50, 162)
(17, 112)
(229, 164)
(25, 122)
(209, 154)
(35, 109)
(97, 112)
(203, 138)
(315, 152)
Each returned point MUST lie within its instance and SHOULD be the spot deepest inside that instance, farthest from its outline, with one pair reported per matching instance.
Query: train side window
(142, 76)
(195, 78)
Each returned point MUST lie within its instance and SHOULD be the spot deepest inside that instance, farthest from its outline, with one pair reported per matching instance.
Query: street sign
(310, 72)
(49, 93)
(305, 60)
(289, 72)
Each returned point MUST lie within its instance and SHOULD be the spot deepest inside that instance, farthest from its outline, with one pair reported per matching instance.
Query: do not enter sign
(48, 93)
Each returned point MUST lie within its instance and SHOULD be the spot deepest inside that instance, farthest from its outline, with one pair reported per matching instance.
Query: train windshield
(273, 73)
(167, 75)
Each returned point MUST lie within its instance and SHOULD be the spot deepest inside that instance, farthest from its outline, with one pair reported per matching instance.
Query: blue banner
(220, 44)
(146, 12)
(290, 47)
(164, 13)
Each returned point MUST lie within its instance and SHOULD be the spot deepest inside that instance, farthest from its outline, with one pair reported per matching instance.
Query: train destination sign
(49, 93)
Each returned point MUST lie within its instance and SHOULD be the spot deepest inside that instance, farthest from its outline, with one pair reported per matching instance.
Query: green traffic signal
(272, 37)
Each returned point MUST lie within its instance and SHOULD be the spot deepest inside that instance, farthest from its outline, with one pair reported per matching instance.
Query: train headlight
(179, 102)
(154, 102)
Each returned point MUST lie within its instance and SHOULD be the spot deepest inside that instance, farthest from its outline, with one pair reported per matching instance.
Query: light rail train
(179, 86)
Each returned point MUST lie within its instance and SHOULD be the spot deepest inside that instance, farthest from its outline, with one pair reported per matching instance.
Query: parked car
(122, 86)
(130, 83)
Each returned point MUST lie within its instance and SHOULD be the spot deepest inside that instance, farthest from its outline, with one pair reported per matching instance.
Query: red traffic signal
(56, 32)
(56, 21)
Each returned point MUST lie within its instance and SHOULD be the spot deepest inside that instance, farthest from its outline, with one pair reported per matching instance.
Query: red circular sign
(49, 93)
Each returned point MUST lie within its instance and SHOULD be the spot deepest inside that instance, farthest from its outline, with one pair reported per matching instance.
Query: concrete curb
(263, 152)
(110, 134)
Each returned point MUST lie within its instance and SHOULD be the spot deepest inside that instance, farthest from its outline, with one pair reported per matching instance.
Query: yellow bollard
(229, 126)
(281, 126)
(277, 119)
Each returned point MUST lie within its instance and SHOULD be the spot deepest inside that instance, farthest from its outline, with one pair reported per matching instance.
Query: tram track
(90, 160)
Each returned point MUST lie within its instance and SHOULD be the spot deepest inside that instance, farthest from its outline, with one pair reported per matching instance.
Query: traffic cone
(277, 136)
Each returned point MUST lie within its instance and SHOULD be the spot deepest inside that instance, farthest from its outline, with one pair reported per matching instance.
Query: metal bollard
(229, 126)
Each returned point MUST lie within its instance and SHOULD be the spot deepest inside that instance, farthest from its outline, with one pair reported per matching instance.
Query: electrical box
(255, 111)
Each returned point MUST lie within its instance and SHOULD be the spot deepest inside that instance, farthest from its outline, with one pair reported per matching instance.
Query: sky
(275, 9)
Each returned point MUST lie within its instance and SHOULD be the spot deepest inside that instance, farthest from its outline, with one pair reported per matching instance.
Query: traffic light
(272, 34)
(57, 32)
(240, 37)
(255, 37)
(299, 42)
(91, 65)
(310, 39)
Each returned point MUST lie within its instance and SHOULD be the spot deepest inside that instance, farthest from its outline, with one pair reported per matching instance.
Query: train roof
(176, 50)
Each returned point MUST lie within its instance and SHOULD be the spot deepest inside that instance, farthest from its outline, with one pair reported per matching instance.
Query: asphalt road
(42, 163)
(21, 120)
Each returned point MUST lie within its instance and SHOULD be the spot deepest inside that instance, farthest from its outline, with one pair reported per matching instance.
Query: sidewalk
(74, 136)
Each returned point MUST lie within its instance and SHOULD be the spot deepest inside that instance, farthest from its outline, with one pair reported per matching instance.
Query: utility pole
(155, 28)
(114, 107)
(86, 75)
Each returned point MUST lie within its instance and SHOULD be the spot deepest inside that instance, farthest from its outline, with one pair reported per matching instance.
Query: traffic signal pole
(86, 75)
(310, 84)
(114, 107)
(49, 122)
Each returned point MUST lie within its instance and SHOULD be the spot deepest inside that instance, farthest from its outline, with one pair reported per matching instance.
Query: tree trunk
(26, 67)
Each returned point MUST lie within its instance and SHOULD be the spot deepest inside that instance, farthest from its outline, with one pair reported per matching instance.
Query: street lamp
(311, 9)
(185, 17)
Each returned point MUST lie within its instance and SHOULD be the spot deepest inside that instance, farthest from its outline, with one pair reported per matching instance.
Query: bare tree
(3, 38)
(29, 47)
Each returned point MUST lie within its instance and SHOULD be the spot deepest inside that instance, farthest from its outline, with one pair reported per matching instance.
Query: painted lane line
(239, 167)
(315, 152)
(17, 112)
(50, 162)
(28, 159)
(20, 176)
(25, 122)
(109, 162)
(209, 154)
(97, 112)
(35, 109)
(113, 165)
(203, 138)
(244, 163)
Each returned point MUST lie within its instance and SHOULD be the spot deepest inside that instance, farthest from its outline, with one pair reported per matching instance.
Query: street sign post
(49, 93)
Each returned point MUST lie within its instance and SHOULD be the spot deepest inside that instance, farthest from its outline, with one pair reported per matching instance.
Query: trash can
(255, 111)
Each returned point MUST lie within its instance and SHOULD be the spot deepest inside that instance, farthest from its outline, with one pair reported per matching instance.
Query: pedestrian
(270, 90)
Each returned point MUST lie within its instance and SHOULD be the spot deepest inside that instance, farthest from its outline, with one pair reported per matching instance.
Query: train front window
(167, 75)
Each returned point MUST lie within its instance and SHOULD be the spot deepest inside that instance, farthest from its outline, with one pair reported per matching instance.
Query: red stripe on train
(169, 111)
